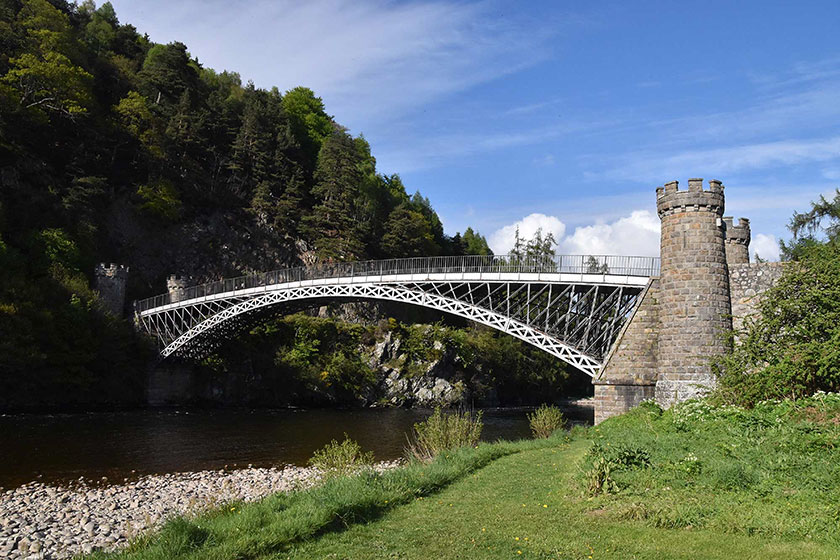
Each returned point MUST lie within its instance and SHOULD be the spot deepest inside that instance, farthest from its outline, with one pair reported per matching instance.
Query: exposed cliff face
(440, 380)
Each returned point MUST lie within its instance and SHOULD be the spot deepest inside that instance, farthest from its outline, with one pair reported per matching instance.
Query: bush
(545, 421)
(338, 459)
(792, 349)
(444, 431)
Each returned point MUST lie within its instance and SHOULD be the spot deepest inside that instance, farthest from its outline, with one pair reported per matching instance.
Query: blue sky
(560, 115)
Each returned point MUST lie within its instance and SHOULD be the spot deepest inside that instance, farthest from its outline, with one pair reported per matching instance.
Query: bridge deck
(589, 269)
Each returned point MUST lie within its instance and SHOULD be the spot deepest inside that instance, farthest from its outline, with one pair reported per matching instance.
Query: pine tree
(332, 226)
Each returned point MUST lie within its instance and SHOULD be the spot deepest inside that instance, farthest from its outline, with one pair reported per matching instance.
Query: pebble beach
(40, 521)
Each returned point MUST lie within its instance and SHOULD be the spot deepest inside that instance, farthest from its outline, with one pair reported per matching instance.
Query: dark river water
(63, 447)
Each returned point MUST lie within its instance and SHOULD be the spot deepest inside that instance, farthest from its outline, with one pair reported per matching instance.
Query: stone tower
(694, 298)
(109, 281)
(176, 286)
(737, 241)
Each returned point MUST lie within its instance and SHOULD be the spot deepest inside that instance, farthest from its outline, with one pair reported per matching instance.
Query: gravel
(39, 521)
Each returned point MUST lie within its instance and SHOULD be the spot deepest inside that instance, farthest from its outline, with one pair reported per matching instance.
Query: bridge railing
(571, 264)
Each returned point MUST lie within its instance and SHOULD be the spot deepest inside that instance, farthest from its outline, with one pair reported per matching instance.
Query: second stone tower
(694, 301)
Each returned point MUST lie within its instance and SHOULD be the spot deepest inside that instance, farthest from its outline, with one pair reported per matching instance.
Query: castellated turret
(109, 281)
(177, 286)
(694, 299)
(737, 241)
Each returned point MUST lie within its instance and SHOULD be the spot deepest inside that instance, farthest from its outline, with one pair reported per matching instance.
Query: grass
(272, 525)
(693, 482)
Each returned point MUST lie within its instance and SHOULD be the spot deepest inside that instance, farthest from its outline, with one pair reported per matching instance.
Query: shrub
(444, 431)
(599, 478)
(545, 421)
(338, 459)
(792, 349)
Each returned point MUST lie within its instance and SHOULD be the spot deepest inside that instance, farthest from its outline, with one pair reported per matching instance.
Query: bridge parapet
(179, 289)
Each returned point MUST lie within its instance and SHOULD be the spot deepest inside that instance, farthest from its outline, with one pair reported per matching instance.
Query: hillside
(117, 149)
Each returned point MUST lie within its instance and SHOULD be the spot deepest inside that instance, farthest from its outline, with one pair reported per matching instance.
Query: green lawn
(527, 505)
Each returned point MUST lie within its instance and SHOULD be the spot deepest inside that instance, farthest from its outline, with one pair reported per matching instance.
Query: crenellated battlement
(176, 285)
(109, 281)
(739, 233)
(671, 199)
(112, 270)
(177, 281)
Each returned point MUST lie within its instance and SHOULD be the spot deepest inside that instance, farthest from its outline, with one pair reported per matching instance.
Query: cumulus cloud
(636, 234)
(502, 240)
(765, 246)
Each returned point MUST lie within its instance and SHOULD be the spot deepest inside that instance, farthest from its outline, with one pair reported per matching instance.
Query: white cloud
(636, 234)
(765, 246)
(502, 240)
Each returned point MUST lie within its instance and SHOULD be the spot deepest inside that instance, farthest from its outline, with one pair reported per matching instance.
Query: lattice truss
(577, 323)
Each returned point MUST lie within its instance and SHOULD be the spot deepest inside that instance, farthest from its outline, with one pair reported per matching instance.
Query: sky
(563, 116)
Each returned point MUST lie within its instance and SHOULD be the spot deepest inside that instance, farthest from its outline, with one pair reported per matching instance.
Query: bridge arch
(572, 307)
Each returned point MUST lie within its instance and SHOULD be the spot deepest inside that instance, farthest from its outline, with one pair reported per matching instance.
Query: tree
(408, 234)
(822, 218)
(594, 267)
(474, 243)
(167, 73)
(331, 225)
(49, 84)
(310, 122)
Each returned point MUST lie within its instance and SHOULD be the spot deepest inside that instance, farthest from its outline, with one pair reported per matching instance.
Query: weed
(545, 421)
(340, 459)
(442, 432)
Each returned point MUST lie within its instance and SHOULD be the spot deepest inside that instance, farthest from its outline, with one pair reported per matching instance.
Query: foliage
(408, 234)
(341, 459)
(444, 431)
(767, 470)
(160, 200)
(142, 156)
(822, 218)
(545, 421)
(791, 349)
(599, 478)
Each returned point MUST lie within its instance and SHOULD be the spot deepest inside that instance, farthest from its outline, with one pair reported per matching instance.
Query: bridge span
(571, 306)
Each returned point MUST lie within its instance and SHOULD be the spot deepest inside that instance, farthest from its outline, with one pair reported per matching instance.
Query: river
(60, 448)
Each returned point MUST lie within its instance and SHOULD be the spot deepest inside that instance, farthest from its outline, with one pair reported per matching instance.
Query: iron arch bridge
(570, 306)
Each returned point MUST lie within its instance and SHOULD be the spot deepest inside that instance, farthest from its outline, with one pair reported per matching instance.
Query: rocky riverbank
(39, 521)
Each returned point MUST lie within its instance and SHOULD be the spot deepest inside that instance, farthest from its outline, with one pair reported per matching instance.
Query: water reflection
(63, 447)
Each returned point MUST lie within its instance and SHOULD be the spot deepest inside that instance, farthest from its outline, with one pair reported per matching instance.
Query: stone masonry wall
(694, 289)
(633, 361)
(747, 283)
(612, 400)
(629, 376)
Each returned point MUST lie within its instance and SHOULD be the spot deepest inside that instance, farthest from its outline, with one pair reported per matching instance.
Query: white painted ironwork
(570, 307)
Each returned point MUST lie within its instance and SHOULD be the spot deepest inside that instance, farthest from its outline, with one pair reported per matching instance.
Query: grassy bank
(693, 482)
(262, 529)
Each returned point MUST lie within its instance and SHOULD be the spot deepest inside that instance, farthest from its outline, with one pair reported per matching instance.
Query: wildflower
(516, 538)
(545, 505)
(519, 552)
